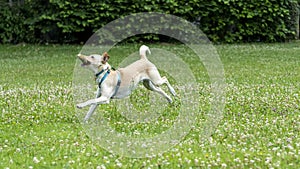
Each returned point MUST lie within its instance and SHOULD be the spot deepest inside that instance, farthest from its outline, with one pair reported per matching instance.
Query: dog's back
(140, 65)
(138, 69)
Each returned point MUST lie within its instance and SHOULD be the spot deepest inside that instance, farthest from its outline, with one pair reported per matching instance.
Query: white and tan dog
(120, 83)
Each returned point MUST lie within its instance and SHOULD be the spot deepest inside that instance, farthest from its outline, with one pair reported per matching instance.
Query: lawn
(40, 127)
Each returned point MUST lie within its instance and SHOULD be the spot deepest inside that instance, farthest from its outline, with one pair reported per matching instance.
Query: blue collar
(118, 85)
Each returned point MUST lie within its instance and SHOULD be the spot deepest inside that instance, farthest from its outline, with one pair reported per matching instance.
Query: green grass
(260, 129)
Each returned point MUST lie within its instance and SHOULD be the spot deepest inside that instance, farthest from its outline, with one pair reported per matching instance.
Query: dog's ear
(105, 57)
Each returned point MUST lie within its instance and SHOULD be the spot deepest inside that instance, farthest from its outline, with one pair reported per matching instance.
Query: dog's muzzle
(83, 60)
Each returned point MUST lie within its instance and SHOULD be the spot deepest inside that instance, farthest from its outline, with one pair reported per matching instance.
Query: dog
(118, 84)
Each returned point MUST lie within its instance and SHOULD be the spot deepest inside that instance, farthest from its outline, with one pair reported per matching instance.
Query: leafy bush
(12, 26)
(257, 20)
(75, 21)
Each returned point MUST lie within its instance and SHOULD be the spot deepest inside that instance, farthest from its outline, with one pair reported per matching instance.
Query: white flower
(71, 162)
(196, 161)
(36, 160)
(237, 160)
(268, 160)
(290, 147)
(101, 167)
(119, 164)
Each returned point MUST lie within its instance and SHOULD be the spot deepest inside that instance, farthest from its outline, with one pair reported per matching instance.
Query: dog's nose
(80, 56)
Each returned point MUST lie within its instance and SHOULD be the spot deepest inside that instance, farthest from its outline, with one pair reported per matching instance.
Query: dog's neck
(104, 67)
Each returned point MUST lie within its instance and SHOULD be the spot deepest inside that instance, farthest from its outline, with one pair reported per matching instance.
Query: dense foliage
(74, 21)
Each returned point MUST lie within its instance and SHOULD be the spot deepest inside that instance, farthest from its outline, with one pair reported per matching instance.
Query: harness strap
(99, 73)
(104, 77)
(118, 84)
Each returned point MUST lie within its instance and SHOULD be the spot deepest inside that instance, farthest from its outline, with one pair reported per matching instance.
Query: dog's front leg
(90, 112)
(93, 107)
(100, 100)
(81, 105)
(94, 103)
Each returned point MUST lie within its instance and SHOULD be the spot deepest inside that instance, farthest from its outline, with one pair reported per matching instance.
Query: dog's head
(95, 61)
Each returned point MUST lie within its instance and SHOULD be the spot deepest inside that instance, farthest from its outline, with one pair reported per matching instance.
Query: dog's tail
(143, 51)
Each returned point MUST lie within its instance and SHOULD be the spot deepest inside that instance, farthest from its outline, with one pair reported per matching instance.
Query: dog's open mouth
(85, 63)
(83, 60)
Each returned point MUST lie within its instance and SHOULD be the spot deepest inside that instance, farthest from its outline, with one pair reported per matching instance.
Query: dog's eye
(92, 57)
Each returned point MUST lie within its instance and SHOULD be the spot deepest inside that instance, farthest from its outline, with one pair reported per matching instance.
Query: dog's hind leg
(157, 80)
(171, 89)
(164, 80)
(149, 85)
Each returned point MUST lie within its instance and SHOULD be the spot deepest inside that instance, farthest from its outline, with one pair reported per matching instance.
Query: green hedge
(12, 26)
(70, 21)
(257, 20)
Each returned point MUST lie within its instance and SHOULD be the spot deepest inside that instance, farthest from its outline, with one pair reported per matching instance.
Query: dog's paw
(173, 91)
(80, 105)
(169, 100)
